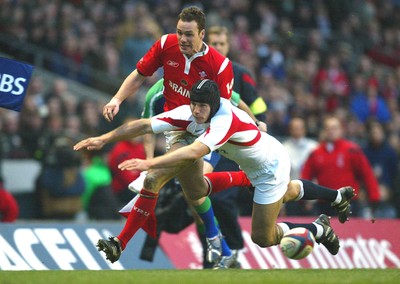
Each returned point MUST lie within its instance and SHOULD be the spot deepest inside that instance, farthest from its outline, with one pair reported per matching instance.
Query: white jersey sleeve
(178, 119)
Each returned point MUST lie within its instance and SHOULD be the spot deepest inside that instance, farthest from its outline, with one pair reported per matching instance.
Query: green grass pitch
(232, 276)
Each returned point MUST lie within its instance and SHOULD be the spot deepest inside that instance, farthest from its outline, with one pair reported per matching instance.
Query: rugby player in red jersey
(185, 59)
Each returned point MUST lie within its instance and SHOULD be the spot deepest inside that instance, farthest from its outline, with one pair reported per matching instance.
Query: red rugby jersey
(180, 72)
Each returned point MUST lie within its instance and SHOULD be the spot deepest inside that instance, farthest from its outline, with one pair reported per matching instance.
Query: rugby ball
(297, 243)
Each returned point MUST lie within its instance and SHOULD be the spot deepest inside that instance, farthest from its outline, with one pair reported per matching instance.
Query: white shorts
(271, 180)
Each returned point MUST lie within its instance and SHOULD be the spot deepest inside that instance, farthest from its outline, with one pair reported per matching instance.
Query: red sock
(142, 213)
(224, 180)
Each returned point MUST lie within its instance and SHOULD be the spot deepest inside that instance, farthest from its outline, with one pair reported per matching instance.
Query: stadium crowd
(310, 58)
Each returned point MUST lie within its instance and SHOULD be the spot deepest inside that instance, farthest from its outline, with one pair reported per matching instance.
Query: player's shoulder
(217, 57)
(319, 149)
(168, 40)
(351, 146)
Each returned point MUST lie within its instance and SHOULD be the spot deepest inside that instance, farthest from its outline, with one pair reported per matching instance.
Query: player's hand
(262, 126)
(92, 143)
(134, 164)
(111, 109)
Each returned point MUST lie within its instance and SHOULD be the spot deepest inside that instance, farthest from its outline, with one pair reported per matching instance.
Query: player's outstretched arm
(128, 88)
(177, 158)
(126, 131)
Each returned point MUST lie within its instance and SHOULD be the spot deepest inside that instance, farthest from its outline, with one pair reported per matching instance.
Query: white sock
(320, 230)
(285, 228)
(301, 194)
(338, 198)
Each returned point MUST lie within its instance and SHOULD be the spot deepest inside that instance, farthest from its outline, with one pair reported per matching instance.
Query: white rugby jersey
(231, 132)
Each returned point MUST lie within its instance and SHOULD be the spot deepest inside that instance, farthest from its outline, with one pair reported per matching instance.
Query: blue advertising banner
(69, 246)
(14, 81)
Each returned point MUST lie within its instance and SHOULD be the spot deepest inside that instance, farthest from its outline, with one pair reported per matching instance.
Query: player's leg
(307, 190)
(220, 181)
(270, 189)
(146, 202)
(226, 211)
(141, 214)
(195, 189)
(265, 231)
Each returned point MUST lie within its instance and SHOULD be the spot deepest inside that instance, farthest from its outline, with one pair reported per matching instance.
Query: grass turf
(232, 276)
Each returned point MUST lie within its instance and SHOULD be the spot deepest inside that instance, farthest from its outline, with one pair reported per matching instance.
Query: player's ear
(202, 34)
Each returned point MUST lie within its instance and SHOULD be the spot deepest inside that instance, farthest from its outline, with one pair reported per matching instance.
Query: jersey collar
(200, 53)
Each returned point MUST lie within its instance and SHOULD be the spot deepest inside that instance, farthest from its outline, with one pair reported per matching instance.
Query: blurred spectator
(304, 16)
(299, 148)
(60, 184)
(384, 161)
(31, 126)
(90, 119)
(58, 89)
(36, 94)
(98, 199)
(12, 141)
(139, 42)
(9, 209)
(331, 84)
(391, 88)
(338, 162)
(387, 50)
(124, 150)
(370, 106)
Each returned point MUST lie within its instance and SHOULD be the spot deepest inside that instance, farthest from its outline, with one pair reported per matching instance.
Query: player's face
(297, 128)
(219, 42)
(189, 37)
(200, 111)
(333, 130)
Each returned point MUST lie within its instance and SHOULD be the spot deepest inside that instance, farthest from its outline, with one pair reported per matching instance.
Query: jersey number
(229, 87)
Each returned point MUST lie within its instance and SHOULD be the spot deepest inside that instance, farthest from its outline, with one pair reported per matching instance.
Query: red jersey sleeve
(365, 173)
(151, 61)
(225, 79)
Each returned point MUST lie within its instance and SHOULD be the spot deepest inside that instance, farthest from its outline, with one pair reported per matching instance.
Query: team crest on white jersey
(203, 74)
(172, 63)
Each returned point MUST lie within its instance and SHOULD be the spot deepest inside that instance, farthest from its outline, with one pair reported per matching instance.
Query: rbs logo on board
(14, 80)
(10, 84)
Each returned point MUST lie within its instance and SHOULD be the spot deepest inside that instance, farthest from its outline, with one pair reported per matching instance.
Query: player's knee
(195, 195)
(292, 192)
(151, 182)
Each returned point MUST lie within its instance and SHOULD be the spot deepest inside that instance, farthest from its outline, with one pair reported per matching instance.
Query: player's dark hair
(193, 13)
(207, 92)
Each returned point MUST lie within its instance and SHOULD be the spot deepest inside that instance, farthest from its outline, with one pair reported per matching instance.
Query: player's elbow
(198, 150)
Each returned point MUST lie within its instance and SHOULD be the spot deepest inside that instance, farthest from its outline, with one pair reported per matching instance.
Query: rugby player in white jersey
(216, 125)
